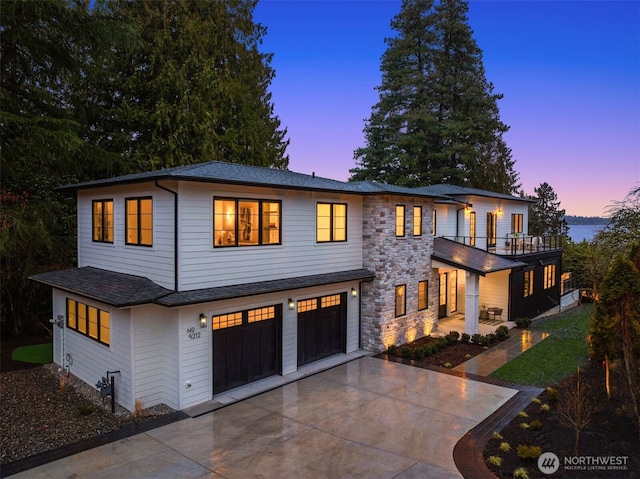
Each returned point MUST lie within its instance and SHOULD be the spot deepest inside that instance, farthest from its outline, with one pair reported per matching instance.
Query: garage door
(246, 346)
(322, 324)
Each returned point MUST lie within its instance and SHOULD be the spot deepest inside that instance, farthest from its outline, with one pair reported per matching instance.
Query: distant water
(579, 233)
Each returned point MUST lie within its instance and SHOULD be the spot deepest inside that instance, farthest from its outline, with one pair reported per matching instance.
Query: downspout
(175, 232)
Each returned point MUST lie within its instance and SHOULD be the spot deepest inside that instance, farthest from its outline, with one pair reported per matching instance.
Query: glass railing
(512, 244)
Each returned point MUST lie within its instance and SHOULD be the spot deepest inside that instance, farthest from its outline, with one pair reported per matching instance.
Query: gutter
(175, 232)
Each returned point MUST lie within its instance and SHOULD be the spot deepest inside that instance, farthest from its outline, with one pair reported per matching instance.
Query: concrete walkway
(367, 418)
(518, 342)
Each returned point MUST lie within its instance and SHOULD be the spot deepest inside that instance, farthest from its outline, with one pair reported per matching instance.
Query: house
(195, 280)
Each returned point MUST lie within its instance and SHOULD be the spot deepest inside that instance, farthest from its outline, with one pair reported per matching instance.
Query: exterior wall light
(203, 320)
(354, 292)
(292, 304)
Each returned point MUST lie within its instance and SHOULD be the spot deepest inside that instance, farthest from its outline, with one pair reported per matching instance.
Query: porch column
(471, 301)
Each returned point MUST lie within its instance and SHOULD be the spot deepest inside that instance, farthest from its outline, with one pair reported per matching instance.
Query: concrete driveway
(368, 418)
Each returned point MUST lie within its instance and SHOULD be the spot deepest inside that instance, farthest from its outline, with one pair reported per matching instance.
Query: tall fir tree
(195, 87)
(437, 118)
(545, 215)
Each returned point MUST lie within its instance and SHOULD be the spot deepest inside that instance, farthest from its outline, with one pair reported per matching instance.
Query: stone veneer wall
(396, 261)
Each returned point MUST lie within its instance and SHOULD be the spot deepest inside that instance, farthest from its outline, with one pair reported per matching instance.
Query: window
(517, 223)
(399, 220)
(492, 226)
(417, 221)
(139, 214)
(401, 300)
(239, 318)
(549, 276)
(423, 295)
(92, 322)
(528, 283)
(246, 222)
(472, 228)
(433, 222)
(103, 221)
(331, 222)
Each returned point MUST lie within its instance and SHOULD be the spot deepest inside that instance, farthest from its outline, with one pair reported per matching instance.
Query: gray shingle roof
(453, 191)
(471, 259)
(123, 290)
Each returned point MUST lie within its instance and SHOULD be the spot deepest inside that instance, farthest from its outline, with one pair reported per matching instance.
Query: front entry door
(442, 302)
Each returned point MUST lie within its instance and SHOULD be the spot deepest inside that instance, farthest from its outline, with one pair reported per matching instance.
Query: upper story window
(139, 214)
(528, 283)
(331, 222)
(517, 222)
(472, 228)
(492, 229)
(401, 300)
(90, 321)
(433, 222)
(243, 222)
(102, 221)
(400, 220)
(423, 295)
(417, 221)
(549, 276)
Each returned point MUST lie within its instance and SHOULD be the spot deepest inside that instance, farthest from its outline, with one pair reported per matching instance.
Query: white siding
(91, 360)
(203, 266)
(155, 262)
(494, 292)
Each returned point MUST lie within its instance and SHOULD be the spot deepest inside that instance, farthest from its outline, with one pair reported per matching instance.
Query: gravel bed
(42, 409)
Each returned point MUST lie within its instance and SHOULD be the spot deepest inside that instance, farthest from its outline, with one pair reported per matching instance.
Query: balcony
(512, 244)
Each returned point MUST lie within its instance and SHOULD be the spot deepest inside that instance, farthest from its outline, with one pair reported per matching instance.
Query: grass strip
(38, 353)
(558, 356)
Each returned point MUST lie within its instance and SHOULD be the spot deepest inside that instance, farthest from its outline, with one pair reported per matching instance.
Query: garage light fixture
(354, 292)
(203, 320)
(292, 303)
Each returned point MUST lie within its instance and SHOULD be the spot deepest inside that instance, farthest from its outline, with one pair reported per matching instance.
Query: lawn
(556, 357)
(38, 353)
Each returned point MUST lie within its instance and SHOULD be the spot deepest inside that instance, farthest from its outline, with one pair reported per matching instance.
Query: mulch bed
(453, 354)
(610, 433)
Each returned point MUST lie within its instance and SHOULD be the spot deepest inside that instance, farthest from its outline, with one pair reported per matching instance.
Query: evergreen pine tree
(545, 215)
(437, 119)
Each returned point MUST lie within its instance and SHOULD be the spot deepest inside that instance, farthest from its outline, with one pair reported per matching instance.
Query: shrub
(448, 365)
(523, 323)
(545, 407)
(405, 352)
(552, 394)
(464, 337)
(441, 344)
(497, 435)
(491, 338)
(467, 356)
(528, 452)
(505, 447)
(535, 425)
(524, 425)
(523, 414)
(452, 337)
(476, 338)
(494, 461)
(419, 353)
(393, 349)
(85, 409)
(430, 349)
(502, 333)
(520, 473)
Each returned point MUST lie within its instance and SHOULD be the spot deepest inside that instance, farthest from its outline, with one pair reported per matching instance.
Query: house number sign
(193, 334)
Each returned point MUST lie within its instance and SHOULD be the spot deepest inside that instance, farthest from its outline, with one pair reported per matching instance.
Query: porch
(455, 322)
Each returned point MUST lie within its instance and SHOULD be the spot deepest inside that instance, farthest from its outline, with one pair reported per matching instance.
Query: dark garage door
(322, 324)
(246, 346)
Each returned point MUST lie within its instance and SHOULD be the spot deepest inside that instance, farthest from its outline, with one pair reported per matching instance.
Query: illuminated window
(417, 221)
(92, 322)
(528, 283)
(226, 320)
(423, 295)
(401, 300)
(549, 276)
(472, 228)
(327, 301)
(492, 229)
(331, 222)
(246, 222)
(261, 314)
(433, 222)
(239, 318)
(307, 305)
(103, 221)
(399, 220)
(517, 223)
(139, 214)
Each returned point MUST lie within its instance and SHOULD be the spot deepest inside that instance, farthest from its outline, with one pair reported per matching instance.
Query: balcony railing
(512, 244)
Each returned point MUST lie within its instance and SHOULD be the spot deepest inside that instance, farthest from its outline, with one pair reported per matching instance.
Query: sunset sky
(569, 72)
